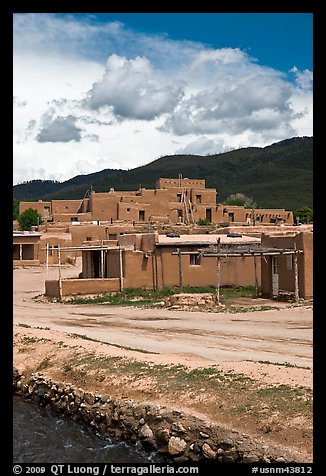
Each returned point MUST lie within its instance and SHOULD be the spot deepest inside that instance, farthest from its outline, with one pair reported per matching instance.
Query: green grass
(282, 364)
(85, 337)
(143, 297)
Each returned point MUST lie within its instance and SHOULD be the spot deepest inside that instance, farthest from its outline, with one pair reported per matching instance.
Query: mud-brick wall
(172, 432)
(71, 287)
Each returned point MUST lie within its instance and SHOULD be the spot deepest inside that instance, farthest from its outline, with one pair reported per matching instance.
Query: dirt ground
(249, 371)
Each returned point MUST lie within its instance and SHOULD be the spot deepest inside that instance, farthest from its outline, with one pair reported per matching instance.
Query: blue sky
(96, 91)
(279, 40)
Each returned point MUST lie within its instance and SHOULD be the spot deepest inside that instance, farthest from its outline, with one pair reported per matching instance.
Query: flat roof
(26, 233)
(204, 239)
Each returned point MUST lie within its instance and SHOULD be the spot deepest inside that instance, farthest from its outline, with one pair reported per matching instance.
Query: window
(88, 238)
(194, 260)
(289, 262)
(128, 209)
(231, 216)
(209, 214)
(180, 215)
(73, 219)
(112, 236)
(198, 198)
(178, 197)
(141, 215)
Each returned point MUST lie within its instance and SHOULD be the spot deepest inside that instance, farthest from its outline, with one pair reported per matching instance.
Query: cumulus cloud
(19, 102)
(85, 90)
(60, 129)
(303, 78)
(133, 90)
(204, 146)
(256, 102)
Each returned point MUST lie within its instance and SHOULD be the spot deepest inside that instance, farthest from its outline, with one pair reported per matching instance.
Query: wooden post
(20, 252)
(256, 277)
(120, 268)
(218, 272)
(102, 262)
(296, 275)
(60, 284)
(47, 260)
(180, 267)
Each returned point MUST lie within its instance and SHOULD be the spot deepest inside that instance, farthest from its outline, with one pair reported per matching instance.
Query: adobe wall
(26, 262)
(138, 269)
(71, 287)
(39, 206)
(55, 240)
(233, 271)
(304, 241)
(52, 288)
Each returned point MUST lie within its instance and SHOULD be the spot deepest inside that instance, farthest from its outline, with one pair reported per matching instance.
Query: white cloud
(133, 90)
(204, 146)
(303, 78)
(60, 129)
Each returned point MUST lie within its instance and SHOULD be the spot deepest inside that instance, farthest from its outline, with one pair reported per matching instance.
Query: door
(209, 214)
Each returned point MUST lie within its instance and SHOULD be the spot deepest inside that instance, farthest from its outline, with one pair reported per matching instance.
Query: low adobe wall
(26, 262)
(81, 286)
(171, 432)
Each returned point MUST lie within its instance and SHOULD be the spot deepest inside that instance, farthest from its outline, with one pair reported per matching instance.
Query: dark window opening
(231, 216)
(141, 215)
(73, 219)
(112, 236)
(195, 260)
(209, 214)
(178, 197)
(198, 198)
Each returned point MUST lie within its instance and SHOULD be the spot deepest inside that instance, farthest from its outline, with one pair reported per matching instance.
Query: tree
(15, 208)
(304, 215)
(29, 218)
(239, 199)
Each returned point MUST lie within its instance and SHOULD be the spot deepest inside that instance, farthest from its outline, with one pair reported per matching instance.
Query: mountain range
(277, 176)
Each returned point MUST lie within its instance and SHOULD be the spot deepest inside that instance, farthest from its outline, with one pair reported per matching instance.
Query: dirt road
(283, 335)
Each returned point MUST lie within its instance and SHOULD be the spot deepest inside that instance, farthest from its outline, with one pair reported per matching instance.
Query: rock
(90, 398)
(149, 444)
(104, 398)
(208, 452)
(141, 421)
(176, 445)
(227, 444)
(250, 458)
(163, 435)
(280, 459)
(145, 432)
(177, 427)
(203, 435)
(230, 456)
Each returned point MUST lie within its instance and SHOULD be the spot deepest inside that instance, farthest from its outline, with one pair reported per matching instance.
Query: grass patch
(281, 364)
(44, 364)
(143, 297)
(26, 326)
(125, 347)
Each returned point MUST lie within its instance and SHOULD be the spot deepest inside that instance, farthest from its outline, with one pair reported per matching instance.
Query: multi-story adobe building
(173, 201)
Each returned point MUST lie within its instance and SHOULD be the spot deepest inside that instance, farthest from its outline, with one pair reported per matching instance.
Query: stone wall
(171, 432)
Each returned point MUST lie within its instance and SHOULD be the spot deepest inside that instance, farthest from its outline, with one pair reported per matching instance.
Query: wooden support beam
(180, 267)
(296, 275)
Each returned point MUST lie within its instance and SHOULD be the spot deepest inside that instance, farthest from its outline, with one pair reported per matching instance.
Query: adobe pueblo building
(277, 263)
(173, 201)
